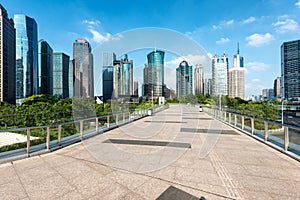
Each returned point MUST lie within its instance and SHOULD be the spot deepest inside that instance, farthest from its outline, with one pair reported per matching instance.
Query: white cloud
(297, 4)
(99, 37)
(257, 66)
(223, 24)
(249, 20)
(259, 39)
(255, 80)
(210, 55)
(91, 22)
(191, 59)
(222, 40)
(285, 24)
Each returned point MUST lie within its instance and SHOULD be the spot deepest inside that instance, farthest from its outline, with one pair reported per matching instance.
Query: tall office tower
(199, 79)
(184, 79)
(61, 63)
(45, 68)
(27, 56)
(220, 75)
(83, 69)
(265, 94)
(135, 88)
(290, 69)
(277, 87)
(155, 74)
(145, 86)
(207, 86)
(236, 85)
(7, 58)
(108, 59)
(123, 77)
(71, 78)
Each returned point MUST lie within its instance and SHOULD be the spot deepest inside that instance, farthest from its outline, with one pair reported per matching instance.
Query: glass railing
(283, 137)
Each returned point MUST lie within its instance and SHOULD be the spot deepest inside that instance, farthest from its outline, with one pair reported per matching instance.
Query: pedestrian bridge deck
(178, 153)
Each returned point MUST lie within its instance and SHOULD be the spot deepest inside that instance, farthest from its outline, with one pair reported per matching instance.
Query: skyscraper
(207, 86)
(220, 75)
(83, 69)
(61, 75)
(290, 69)
(237, 77)
(199, 79)
(45, 68)
(145, 87)
(184, 79)
(277, 87)
(27, 57)
(7, 58)
(123, 77)
(71, 78)
(155, 73)
(108, 59)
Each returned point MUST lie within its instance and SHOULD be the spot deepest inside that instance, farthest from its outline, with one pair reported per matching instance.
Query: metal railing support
(81, 129)
(252, 126)
(229, 118)
(28, 143)
(48, 138)
(97, 124)
(243, 122)
(117, 118)
(59, 135)
(266, 130)
(124, 118)
(107, 121)
(286, 138)
(234, 119)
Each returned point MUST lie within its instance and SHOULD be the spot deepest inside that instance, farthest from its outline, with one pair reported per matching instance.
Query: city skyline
(260, 34)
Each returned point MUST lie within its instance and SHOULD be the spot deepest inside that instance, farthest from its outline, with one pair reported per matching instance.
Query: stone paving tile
(132, 196)
(7, 174)
(152, 188)
(12, 190)
(74, 194)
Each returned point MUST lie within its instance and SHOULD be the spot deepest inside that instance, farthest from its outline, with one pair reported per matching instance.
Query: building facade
(26, 56)
(123, 77)
(155, 74)
(45, 68)
(83, 69)
(207, 86)
(199, 79)
(184, 79)
(277, 87)
(7, 58)
(71, 78)
(290, 70)
(236, 84)
(108, 59)
(61, 63)
(220, 75)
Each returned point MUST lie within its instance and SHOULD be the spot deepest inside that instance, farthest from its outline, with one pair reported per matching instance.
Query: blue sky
(217, 25)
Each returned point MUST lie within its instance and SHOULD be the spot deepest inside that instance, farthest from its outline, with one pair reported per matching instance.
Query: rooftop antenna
(238, 48)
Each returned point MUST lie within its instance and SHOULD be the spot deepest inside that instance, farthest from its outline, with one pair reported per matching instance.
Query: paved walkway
(176, 154)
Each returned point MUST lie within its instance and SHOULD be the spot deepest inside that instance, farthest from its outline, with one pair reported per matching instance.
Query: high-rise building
(207, 86)
(123, 77)
(61, 65)
(220, 75)
(27, 56)
(45, 68)
(83, 69)
(277, 87)
(290, 69)
(71, 78)
(108, 59)
(199, 79)
(184, 79)
(155, 74)
(135, 88)
(236, 85)
(145, 87)
(7, 58)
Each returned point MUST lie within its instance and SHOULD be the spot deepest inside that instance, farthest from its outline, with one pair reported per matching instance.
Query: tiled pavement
(176, 154)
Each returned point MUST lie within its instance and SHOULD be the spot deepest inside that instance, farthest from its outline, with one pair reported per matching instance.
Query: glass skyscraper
(155, 73)
(27, 56)
(199, 79)
(83, 69)
(71, 78)
(108, 59)
(290, 69)
(45, 68)
(220, 75)
(184, 79)
(7, 58)
(61, 75)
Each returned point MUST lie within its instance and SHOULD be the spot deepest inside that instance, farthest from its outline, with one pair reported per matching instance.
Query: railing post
(286, 138)
(266, 130)
(225, 116)
(234, 119)
(229, 116)
(81, 129)
(107, 121)
(117, 118)
(243, 122)
(129, 118)
(48, 138)
(59, 135)
(123, 117)
(252, 126)
(28, 142)
(97, 124)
